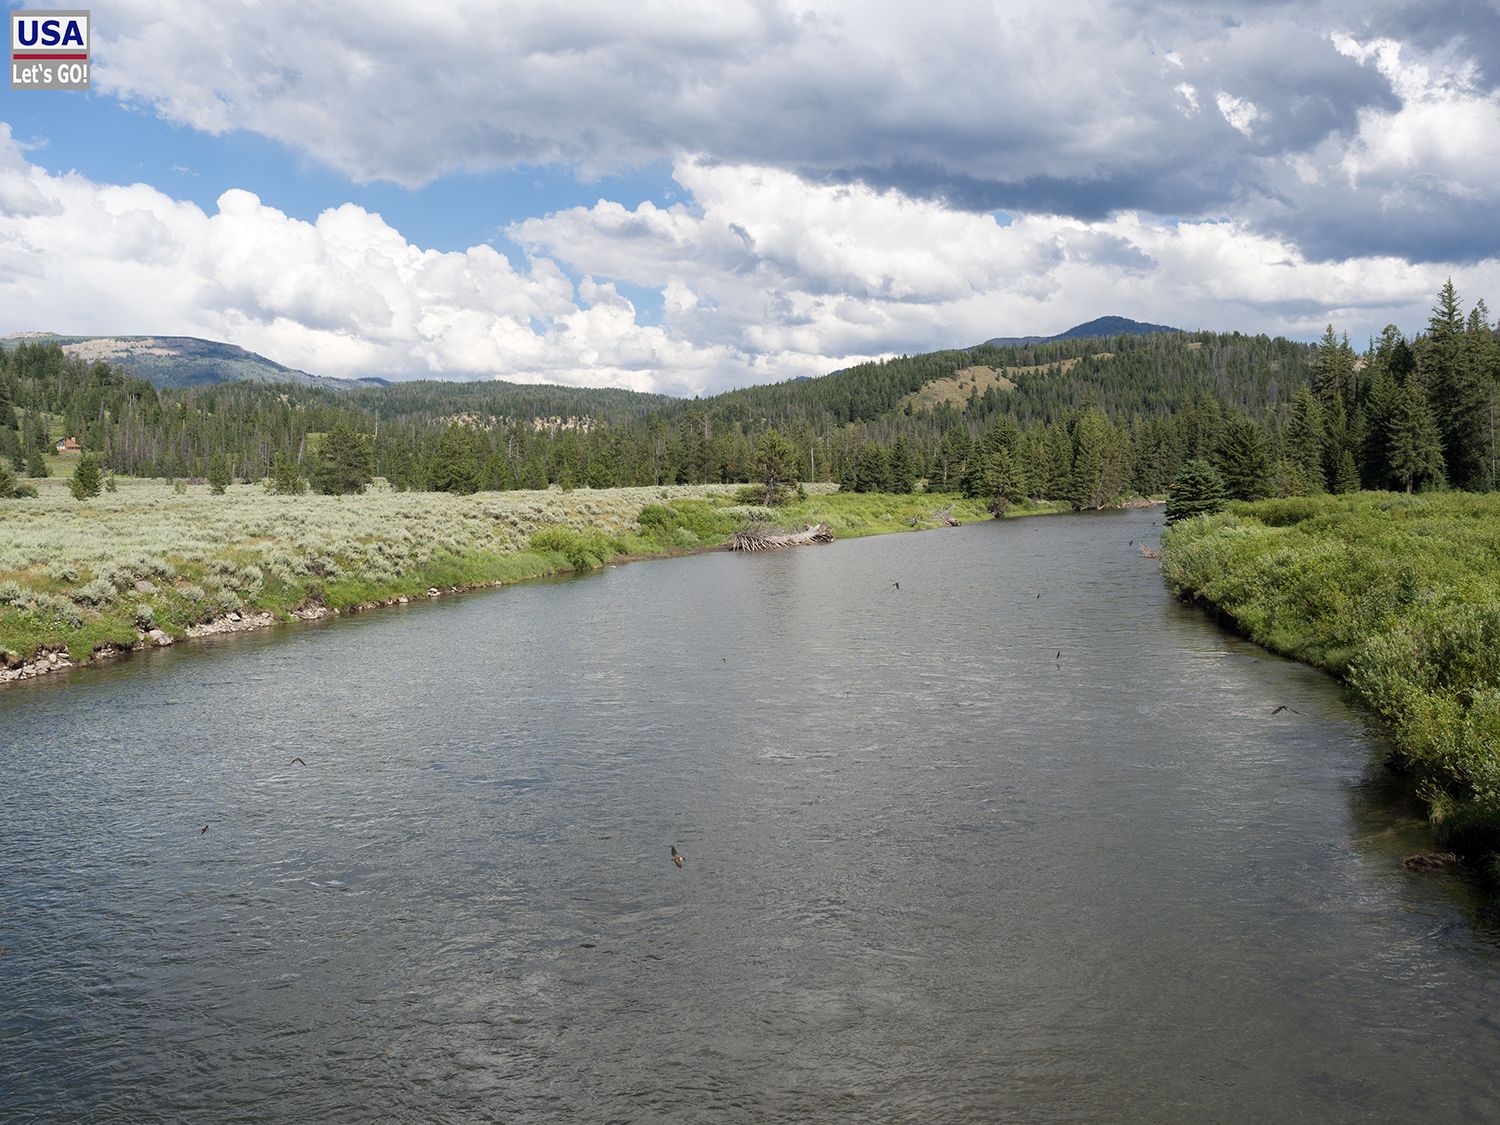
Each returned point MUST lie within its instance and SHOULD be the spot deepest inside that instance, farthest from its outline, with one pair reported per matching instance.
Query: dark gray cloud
(1074, 108)
(1418, 220)
(1470, 27)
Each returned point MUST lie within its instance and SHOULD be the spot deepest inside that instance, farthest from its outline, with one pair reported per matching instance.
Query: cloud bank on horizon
(851, 180)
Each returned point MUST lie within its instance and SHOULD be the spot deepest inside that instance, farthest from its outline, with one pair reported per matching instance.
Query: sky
(685, 197)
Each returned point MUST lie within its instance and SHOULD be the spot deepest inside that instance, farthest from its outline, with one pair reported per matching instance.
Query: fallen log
(769, 539)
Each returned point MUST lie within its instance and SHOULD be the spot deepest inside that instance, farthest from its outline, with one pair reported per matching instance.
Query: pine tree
(953, 452)
(1197, 491)
(1333, 373)
(85, 482)
(220, 474)
(345, 462)
(903, 468)
(285, 479)
(10, 487)
(1483, 359)
(1243, 458)
(1305, 439)
(1346, 476)
(1001, 481)
(873, 470)
(603, 462)
(775, 466)
(1100, 461)
(455, 464)
(1455, 388)
(1414, 448)
(7, 410)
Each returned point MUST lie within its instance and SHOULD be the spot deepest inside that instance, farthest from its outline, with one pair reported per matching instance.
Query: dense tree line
(1086, 421)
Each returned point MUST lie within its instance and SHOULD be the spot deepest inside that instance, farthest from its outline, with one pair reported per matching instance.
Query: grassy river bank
(152, 564)
(1397, 595)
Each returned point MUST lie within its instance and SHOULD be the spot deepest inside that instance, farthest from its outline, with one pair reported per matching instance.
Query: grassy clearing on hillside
(1397, 594)
(956, 389)
(85, 575)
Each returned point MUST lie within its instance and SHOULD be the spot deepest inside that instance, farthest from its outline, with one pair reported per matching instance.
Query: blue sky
(683, 197)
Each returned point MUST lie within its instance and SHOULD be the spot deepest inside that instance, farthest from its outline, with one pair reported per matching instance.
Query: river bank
(1393, 594)
(151, 566)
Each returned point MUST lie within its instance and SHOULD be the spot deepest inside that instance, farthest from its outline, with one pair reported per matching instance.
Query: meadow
(90, 575)
(1399, 595)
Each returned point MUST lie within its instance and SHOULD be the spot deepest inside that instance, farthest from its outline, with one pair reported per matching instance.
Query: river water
(1018, 840)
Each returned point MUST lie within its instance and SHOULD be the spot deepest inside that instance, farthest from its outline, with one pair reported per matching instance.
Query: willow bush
(1397, 594)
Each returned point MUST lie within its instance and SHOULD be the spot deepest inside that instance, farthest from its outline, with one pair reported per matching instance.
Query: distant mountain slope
(1148, 374)
(183, 361)
(1094, 329)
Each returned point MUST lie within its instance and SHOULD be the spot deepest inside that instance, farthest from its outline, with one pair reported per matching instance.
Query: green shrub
(584, 550)
(1397, 593)
(97, 592)
(705, 522)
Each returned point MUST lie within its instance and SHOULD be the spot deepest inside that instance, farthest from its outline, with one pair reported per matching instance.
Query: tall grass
(1400, 596)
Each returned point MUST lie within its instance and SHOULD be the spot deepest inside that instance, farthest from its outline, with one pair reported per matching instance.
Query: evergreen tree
(345, 462)
(1483, 358)
(1243, 458)
(1346, 476)
(455, 464)
(1414, 447)
(1333, 373)
(7, 409)
(85, 482)
(285, 480)
(1197, 491)
(775, 466)
(220, 475)
(1455, 388)
(1001, 481)
(36, 465)
(903, 468)
(953, 453)
(1101, 461)
(534, 471)
(1305, 440)
(10, 450)
(872, 470)
(1059, 478)
(10, 487)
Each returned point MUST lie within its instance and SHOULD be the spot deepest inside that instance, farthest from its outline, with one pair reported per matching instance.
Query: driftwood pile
(769, 538)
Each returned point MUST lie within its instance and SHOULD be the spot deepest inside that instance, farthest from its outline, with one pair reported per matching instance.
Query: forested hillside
(1079, 419)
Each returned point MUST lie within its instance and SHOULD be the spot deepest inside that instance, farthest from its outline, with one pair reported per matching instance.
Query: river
(1019, 839)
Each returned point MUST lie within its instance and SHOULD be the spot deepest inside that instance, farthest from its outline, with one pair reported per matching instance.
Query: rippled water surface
(936, 871)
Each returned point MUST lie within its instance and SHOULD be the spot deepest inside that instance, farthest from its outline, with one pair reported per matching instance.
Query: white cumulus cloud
(762, 275)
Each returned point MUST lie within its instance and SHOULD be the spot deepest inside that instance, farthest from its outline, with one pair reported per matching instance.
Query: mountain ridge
(178, 362)
(1097, 328)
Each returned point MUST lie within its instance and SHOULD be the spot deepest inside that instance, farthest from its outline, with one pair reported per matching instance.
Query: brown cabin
(69, 445)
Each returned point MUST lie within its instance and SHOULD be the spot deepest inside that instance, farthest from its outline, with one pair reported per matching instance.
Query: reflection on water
(935, 870)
